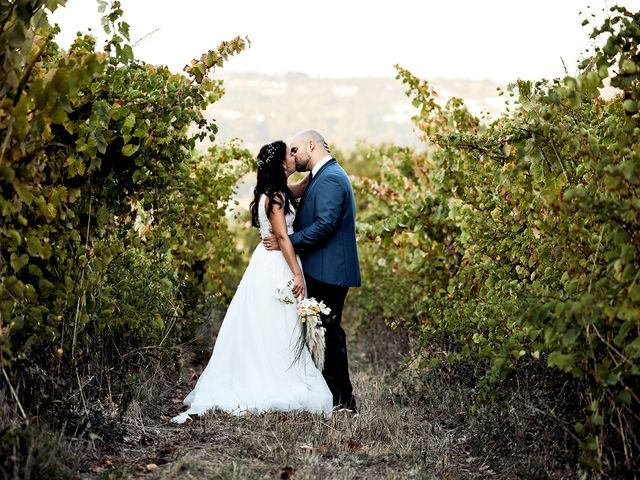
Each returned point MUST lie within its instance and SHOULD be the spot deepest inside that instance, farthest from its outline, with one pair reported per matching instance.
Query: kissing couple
(308, 232)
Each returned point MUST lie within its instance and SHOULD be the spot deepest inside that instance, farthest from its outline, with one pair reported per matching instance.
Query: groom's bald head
(307, 135)
(307, 147)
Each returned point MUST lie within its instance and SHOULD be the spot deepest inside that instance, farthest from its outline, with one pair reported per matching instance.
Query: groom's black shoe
(343, 409)
(347, 407)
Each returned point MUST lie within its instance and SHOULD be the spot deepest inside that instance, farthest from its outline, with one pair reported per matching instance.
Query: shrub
(106, 207)
(518, 240)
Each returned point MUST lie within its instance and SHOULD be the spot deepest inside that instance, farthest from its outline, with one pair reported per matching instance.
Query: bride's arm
(298, 187)
(279, 227)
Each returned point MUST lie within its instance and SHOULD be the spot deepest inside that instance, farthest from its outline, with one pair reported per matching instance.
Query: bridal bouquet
(312, 331)
(309, 310)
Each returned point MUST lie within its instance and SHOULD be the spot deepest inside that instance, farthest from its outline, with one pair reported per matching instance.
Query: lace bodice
(264, 221)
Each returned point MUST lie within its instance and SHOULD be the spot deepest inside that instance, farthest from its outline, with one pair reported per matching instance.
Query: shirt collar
(319, 165)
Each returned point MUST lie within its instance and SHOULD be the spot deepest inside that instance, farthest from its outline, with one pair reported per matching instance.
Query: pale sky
(497, 39)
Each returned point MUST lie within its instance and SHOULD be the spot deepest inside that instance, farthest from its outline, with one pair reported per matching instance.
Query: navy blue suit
(325, 228)
(325, 238)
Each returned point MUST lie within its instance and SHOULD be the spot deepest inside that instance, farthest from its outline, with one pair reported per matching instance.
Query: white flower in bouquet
(284, 293)
(310, 307)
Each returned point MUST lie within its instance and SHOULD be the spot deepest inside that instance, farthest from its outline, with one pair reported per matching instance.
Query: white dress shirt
(319, 165)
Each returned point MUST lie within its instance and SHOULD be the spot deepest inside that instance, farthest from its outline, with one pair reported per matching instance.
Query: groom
(325, 239)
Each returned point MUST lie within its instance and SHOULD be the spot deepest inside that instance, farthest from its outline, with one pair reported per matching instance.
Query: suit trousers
(336, 364)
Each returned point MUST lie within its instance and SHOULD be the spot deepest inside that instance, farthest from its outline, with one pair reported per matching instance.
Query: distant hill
(259, 108)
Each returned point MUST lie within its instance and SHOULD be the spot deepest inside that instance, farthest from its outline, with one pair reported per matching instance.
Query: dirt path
(388, 439)
(384, 441)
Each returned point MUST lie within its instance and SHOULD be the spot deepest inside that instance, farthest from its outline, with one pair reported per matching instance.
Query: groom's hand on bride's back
(271, 242)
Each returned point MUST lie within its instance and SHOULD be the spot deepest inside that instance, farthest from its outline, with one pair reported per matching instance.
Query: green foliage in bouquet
(518, 241)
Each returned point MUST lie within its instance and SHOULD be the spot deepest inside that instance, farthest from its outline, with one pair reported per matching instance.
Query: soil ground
(390, 438)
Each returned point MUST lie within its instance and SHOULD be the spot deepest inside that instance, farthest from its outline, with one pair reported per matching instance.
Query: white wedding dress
(252, 366)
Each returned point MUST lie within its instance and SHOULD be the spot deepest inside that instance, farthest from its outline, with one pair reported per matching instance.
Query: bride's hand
(298, 286)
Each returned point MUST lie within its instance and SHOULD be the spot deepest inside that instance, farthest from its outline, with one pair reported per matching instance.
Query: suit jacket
(325, 228)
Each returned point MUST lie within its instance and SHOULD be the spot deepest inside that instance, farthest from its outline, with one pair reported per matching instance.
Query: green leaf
(632, 350)
(570, 337)
(613, 378)
(630, 106)
(129, 123)
(211, 58)
(16, 34)
(34, 246)
(561, 360)
(123, 28)
(14, 235)
(129, 149)
(537, 169)
(7, 173)
(629, 313)
(596, 420)
(34, 270)
(624, 397)
(6, 310)
(15, 287)
(17, 262)
(106, 25)
(46, 286)
(625, 328)
(58, 115)
(127, 54)
(102, 215)
(634, 292)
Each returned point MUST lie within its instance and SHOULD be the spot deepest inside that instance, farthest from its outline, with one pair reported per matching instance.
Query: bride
(253, 367)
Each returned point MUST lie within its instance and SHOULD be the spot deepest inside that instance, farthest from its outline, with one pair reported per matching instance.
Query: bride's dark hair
(272, 180)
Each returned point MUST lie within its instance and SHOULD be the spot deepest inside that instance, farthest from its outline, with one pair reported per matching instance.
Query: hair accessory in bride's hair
(269, 153)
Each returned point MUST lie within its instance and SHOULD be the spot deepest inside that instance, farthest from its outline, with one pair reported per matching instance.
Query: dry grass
(383, 441)
(402, 432)
(378, 443)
